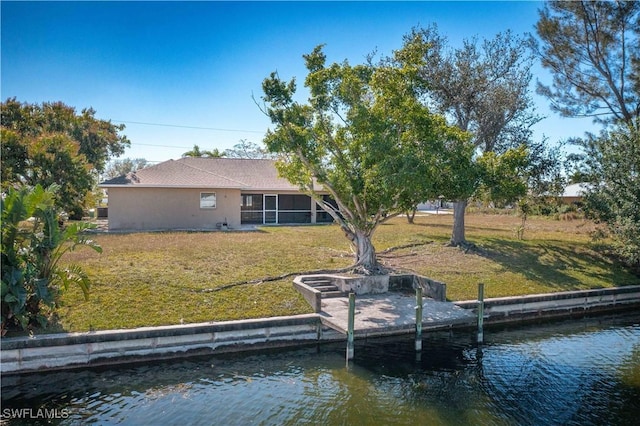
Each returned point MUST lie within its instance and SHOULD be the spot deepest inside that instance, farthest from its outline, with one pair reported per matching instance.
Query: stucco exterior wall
(571, 200)
(170, 208)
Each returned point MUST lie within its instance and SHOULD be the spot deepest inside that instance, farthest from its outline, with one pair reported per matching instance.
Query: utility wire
(188, 127)
(162, 146)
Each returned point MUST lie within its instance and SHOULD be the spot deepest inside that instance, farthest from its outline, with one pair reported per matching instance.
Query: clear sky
(189, 70)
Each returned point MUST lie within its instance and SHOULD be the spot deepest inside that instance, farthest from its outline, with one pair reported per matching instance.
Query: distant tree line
(243, 149)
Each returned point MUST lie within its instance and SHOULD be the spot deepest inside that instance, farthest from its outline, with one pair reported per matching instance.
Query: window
(207, 200)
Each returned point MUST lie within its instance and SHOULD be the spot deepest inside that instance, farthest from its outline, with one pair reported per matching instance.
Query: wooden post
(350, 325)
(418, 318)
(480, 312)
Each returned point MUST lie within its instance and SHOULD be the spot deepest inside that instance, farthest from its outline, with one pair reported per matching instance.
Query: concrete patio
(391, 312)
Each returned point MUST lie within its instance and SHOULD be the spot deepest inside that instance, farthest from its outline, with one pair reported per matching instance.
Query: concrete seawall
(566, 304)
(77, 350)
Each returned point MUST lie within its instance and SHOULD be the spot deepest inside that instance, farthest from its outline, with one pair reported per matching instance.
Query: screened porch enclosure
(261, 209)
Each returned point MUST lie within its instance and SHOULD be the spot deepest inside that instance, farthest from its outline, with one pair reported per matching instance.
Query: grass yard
(149, 279)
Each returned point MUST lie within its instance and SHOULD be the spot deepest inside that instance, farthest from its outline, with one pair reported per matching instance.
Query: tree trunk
(366, 259)
(411, 215)
(457, 236)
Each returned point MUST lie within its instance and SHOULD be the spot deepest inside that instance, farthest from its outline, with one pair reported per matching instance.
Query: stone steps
(336, 293)
(325, 287)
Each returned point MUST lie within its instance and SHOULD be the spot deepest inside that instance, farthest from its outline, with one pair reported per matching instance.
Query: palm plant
(33, 242)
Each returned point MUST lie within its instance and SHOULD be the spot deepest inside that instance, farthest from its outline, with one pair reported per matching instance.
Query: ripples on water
(575, 372)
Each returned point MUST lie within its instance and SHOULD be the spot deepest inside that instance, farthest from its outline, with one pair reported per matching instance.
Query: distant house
(207, 193)
(574, 193)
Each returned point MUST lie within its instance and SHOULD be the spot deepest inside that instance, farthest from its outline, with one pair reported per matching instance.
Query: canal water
(578, 372)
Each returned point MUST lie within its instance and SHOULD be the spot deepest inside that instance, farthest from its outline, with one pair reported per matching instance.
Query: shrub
(33, 242)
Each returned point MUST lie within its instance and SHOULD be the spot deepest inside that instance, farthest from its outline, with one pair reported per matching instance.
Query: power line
(188, 127)
(162, 146)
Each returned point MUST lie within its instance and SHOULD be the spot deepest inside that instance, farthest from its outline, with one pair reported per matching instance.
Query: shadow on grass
(556, 263)
(447, 226)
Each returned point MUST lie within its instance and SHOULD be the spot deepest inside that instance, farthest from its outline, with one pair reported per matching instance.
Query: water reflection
(572, 379)
(578, 372)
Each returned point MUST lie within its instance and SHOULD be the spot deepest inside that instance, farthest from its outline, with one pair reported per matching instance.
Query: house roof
(203, 172)
(576, 190)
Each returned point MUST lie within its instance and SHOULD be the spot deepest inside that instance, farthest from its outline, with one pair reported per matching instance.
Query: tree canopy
(197, 152)
(247, 149)
(482, 88)
(50, 143)
(593, 52)
(364, 136)
(97, 140)
(592, 49)
(504, 177)
(243, 149)
(121, 167)
(613, 159)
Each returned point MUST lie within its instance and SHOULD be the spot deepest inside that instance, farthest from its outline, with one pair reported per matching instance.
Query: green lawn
(148, 279)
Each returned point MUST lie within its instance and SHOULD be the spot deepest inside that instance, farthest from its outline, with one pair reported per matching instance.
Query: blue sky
(191, 69)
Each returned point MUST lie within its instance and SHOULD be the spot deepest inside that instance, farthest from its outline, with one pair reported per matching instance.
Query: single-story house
(207, 193)
(574, 193)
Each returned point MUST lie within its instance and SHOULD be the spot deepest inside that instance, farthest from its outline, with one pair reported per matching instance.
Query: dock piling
(480, 312)
(418, 318)
(350, 325)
